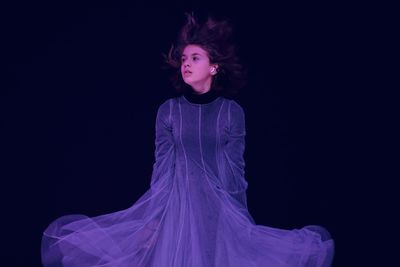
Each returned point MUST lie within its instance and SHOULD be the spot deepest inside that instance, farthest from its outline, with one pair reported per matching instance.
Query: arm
(234, 153)
(163, 168)
(236, 138)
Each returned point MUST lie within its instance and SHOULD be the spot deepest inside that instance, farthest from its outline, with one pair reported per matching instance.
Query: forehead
(193, 49)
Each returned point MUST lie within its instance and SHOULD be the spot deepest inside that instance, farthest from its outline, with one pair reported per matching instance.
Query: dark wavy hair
(215, 37)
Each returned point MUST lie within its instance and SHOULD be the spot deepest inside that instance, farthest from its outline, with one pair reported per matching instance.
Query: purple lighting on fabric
(195, 211)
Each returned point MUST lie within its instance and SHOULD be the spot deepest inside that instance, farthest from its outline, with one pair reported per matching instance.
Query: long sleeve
(234, 181)
(163, 168)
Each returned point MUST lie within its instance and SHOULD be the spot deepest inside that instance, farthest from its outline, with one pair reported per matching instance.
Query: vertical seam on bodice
(218, 138)
(170, 113)
(201, 148)
(180, 138)
(186, 169)
(229, 115)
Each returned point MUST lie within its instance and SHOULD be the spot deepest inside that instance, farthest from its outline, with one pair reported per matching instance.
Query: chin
(189, 83)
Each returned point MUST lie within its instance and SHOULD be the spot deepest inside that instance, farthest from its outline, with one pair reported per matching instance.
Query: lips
(187, 73)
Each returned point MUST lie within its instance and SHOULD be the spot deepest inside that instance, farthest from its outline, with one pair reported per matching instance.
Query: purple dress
(195, 212)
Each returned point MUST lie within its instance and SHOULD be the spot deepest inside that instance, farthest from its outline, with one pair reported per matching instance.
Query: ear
(214, 69)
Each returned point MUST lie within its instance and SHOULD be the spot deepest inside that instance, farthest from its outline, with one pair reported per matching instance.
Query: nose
(185, 62)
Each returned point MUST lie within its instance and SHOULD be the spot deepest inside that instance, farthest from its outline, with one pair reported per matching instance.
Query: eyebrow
(192, 54)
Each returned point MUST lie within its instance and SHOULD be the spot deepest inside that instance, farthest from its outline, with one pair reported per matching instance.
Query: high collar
(205, 98)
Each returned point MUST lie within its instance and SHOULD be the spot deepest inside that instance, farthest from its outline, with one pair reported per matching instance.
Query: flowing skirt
(196, 224)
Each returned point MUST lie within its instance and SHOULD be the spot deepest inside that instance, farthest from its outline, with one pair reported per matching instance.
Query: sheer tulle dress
(194, 213)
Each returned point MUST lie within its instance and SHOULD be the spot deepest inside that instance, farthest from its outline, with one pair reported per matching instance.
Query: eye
(195, 58)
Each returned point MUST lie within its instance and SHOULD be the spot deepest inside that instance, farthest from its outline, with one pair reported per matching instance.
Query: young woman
(195, 212)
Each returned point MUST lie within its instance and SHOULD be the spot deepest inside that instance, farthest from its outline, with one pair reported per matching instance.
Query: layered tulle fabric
(195, 211)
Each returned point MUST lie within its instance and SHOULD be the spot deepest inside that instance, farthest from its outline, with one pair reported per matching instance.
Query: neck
(202, 98)
(202, 87)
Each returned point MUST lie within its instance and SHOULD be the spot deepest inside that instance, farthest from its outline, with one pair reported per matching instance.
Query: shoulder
(165, 106)
(165, 109)
(235, 112)
(234, 107)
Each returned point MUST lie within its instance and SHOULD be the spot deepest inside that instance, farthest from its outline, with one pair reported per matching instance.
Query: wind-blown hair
(215, 37)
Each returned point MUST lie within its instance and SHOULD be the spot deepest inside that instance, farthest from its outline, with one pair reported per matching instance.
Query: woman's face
(196, 69)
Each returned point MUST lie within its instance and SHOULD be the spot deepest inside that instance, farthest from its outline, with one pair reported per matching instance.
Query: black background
(83, 84)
